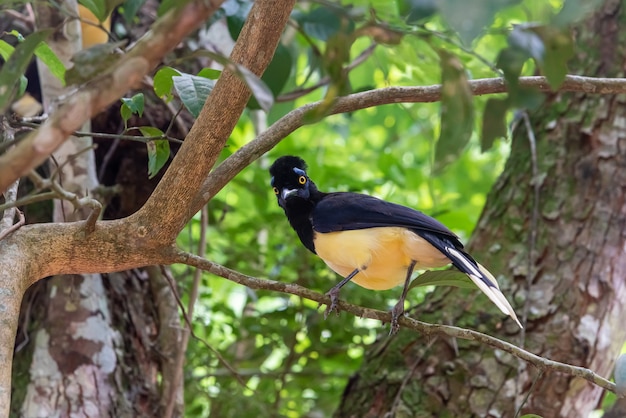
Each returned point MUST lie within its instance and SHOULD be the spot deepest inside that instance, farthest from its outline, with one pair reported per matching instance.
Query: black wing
(349, 211)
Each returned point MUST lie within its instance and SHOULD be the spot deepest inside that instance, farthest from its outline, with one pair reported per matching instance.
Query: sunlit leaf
(494, 122)
(13, 69)
(6, 50)
(52, 61)
(457, 111)
(443, 278)
(210, 73)
(193, 91)
(163, 82)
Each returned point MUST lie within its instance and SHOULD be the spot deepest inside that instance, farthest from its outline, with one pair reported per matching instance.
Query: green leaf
(260, 91)
(559, 49)
(510, 61)
(97, 7)
(151, 132)
(414, 11)
(210, 73)
(52, 61)
(13, 69)
(324, 22)
(193, 91)
(6, 50)
(167, 5)
(163, 82)
(236, 18)
(469, 20)
(457, 111)
(443, 278)
(494, 122)
(275, 77)
(158, 154)
(130, 9)
(135, 104)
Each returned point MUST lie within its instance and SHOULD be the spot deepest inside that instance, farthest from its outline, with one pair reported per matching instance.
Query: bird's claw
(334, 298)
(396, 312)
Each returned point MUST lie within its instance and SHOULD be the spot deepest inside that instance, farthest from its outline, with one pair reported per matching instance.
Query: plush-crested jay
(374, 243)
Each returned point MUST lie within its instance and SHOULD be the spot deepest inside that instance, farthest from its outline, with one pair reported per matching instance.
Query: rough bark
(575, 270)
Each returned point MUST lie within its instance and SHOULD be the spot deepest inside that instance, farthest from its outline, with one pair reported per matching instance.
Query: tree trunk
(90, 345)
(569, 283)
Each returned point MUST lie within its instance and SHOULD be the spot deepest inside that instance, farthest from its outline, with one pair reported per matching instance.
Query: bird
(371, 242)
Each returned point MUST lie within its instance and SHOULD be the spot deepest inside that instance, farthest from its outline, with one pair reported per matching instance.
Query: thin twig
(218, 355)
(14, 227)
(193, 297)
(530, 391)
(427, 329)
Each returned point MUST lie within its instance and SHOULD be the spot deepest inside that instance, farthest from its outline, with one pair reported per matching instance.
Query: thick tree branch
(98, 94)
(427, 329)
(296, 118)
(254, 50)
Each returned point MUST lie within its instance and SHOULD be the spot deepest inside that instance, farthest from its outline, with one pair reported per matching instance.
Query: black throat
(299, 212)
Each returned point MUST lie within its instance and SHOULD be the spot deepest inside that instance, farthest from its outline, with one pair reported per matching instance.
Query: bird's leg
(398, 309)
(334, 292)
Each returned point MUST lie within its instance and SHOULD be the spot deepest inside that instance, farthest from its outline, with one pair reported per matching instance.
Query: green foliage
(457, 111)
(12, 72)
(294, 362)
(443, 278)
(130, 106)
(101, 8)
(158, 150)
(193, 91)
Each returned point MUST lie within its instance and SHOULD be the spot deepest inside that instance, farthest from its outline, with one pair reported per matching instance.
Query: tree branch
(90, 99)
(293, 120)
(427, 329)
(254, 50)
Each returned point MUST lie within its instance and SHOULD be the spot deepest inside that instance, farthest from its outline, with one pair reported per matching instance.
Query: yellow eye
(275, 190)
(302, 180)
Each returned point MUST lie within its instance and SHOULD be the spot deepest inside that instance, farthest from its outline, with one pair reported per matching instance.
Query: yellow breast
(382, 254)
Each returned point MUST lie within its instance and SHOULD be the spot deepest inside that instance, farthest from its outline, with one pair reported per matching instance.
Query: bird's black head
(290, 181)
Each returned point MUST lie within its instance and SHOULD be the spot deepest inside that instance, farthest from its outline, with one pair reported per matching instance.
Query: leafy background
(441, 158)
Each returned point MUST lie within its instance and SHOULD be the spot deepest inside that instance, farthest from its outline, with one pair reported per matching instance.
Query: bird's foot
(396, 312)
(334, 298)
